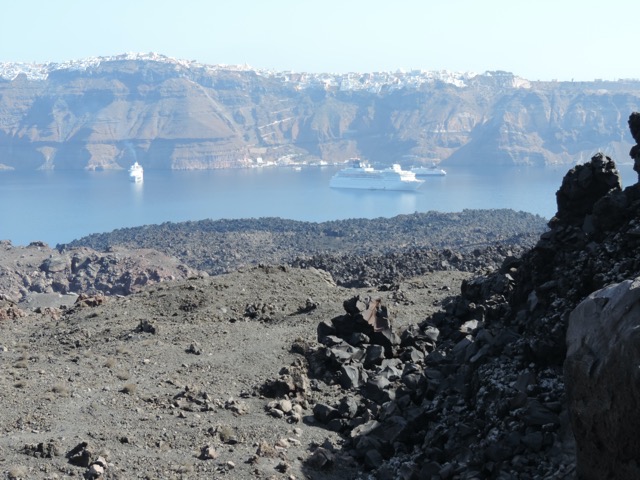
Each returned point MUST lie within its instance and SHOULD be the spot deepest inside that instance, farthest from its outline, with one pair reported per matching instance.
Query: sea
(56, 207)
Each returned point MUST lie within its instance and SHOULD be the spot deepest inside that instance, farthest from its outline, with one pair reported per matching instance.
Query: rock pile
(477, 390)
(351, 250)
(368, 270)
(442, 399)
(32, 272)
(83, 455)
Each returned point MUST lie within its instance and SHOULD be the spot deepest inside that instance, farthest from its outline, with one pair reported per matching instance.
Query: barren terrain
(181, 350)
(166, 383)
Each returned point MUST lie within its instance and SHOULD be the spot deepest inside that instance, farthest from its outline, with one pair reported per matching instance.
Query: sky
(538, 40)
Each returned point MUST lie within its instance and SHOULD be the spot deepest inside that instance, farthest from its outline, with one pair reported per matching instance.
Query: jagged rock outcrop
(166, 113)
(601, 378)
(582, 187)
(634, 127)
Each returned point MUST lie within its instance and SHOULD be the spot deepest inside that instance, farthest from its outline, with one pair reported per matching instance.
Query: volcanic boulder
(602, 380)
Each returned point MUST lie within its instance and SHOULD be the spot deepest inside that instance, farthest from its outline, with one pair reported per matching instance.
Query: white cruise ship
(136, 173)
(361, 175)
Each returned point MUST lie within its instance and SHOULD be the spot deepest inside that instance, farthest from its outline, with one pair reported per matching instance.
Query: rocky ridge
(355, 251)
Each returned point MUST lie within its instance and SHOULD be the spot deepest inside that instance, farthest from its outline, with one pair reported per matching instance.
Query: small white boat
(428, 171)
(136, 173)
(361, 175)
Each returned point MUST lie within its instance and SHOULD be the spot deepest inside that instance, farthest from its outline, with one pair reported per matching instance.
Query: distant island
(107, 112)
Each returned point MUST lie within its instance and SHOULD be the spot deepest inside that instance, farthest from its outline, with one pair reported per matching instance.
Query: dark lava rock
(363, 252)
(583, 186)
(487, 399)
(602, 381)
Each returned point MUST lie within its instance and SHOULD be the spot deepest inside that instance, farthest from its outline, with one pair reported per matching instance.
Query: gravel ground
(166, 383)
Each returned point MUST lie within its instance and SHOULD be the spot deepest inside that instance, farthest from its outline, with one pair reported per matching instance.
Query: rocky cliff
(104, 113)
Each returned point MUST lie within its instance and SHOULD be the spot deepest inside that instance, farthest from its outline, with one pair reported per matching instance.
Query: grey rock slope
(182, 115)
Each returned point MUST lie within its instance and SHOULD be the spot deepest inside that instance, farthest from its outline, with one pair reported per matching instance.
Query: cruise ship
(361, 175)
(136, 173)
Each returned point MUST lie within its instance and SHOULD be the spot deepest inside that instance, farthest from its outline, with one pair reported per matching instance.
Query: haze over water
(60, 206)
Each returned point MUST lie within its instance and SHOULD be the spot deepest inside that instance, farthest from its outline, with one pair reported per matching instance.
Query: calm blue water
(57, 207)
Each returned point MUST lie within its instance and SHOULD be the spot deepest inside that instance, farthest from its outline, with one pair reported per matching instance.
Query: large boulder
(602, 378)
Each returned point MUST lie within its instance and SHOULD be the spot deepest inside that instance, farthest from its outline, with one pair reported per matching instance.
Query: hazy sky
(538, 40)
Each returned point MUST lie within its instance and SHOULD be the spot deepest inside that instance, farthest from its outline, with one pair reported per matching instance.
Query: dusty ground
(151, 379)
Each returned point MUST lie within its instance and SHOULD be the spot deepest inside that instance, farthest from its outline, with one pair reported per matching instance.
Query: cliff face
(182, 115)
